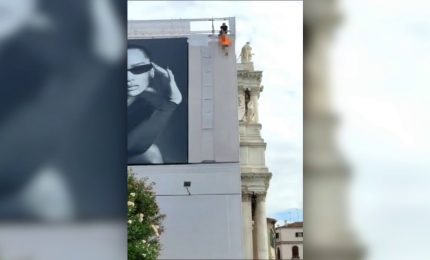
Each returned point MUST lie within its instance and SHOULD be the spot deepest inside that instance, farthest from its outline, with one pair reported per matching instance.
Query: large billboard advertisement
(157, 102)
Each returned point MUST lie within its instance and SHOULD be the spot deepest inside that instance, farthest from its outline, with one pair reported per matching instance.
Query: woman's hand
(175, 95)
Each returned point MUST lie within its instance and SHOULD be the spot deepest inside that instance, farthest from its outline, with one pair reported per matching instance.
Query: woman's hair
(141, 48)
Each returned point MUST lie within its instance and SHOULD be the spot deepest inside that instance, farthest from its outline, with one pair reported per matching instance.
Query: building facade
(201, 198)
(289, 241)
(254, 172)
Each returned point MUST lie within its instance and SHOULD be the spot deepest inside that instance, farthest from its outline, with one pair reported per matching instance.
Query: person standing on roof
(224, 29)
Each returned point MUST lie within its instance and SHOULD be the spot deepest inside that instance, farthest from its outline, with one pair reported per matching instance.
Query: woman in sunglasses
(152, 97)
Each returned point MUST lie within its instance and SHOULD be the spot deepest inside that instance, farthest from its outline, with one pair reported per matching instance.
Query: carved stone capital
(246, 197)
(255, 181)
(261, 197)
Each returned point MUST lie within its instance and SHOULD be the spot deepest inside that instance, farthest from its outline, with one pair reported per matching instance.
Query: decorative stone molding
(253, 143)
(253, 182)
(253, 87)
(257, 175)
(245, 74)
(289, 243)
(323, 165)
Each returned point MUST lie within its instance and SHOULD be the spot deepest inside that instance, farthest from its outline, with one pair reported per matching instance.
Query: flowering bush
(144, 220)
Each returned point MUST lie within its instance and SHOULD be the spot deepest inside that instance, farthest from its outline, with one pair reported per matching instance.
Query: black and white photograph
(157, 101)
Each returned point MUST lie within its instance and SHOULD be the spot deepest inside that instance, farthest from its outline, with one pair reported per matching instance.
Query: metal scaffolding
(175, 27)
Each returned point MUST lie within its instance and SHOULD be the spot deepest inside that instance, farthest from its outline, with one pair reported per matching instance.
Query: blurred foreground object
(61, 112)
(62, 130)
(328, 235)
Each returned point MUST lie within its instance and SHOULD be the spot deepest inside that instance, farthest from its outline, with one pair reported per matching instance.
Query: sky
(275, 30)
(381, 89)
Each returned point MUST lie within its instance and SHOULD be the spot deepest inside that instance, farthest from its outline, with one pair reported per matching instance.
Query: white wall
(205, 225)
(288, 235)
(213, 102)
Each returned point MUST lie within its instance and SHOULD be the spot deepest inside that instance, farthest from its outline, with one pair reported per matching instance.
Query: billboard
(157, 101)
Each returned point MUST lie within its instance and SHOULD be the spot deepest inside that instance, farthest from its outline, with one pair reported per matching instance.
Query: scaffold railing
(177, 27)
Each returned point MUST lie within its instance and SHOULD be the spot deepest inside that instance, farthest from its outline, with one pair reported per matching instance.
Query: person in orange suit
(224, 40)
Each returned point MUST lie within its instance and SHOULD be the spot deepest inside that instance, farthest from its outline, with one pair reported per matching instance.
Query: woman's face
(139, 69)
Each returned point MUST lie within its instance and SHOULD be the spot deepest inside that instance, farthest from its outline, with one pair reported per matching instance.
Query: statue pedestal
(245, 66)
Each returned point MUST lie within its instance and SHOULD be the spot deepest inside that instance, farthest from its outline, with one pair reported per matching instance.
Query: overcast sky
(275, 30)
(381, 90)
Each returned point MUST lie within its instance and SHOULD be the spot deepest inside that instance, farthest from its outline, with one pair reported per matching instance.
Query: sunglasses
(140, 69)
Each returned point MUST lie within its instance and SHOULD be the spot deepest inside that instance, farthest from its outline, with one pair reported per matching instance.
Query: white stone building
(289, 241)
(254, 173)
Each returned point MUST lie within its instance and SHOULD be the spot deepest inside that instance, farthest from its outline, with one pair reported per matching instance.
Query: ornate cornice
(250, 80)
(249, 194)
(255, 183)
(246, 143)
(254, 87)
(250, 74)
(262, 175)
(252, 124)
(289, 243)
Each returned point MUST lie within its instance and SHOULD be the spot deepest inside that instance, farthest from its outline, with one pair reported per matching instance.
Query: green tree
(144, 220)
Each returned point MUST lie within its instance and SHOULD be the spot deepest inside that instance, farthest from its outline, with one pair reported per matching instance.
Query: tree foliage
(144, 220)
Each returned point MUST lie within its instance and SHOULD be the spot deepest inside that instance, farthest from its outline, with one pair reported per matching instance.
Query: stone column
(261, 227)
(247, 225)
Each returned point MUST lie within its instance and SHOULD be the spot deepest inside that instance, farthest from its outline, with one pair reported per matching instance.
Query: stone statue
(242, 108)
(245, 54)
(250, 113)
(249, 107)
